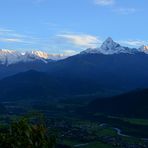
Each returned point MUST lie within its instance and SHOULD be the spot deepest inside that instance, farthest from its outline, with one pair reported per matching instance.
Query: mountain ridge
(8, 57)
(81, 75)
(111, 47)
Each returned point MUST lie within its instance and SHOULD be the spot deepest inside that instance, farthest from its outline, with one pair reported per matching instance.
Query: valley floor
(83, 131)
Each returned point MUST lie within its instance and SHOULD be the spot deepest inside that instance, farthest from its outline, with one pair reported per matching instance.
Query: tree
(25, 134)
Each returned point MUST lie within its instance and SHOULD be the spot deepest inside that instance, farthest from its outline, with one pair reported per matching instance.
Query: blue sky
(69, 26)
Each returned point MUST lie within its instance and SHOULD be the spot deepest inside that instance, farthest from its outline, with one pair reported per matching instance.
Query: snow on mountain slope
(144, 49)
(110, 47)
(8, 57)
(40, 54)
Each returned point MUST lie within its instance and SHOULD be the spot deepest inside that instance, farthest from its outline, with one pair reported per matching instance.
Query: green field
(137, 121)
(76, 130)
(132, 120)
(96, 144)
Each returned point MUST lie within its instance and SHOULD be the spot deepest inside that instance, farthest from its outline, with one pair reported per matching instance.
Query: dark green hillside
(132, 104)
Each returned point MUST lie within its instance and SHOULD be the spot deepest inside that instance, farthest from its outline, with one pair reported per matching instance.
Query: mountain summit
(110, 47)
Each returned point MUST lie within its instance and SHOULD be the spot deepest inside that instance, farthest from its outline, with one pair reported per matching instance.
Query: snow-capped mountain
(110, 47)
(8, 57)
(144, 49)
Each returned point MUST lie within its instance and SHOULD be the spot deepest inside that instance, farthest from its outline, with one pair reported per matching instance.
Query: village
(81, 134)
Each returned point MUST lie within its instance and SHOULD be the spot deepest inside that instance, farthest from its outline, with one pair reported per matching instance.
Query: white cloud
(11, 36)
(81, 40)
(70, 52)
(125, 10)
(15, 40)
(104, 2)
(135, 43)
(10, 33)
(38, 1)
(119, 10)
(5, 30)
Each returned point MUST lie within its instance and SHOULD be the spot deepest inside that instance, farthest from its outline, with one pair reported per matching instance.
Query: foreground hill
(39, 85)
(86, 74)
(117, 71)
(132, 104)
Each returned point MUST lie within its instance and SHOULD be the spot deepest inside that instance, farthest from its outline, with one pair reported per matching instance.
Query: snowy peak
(109, 43)
(45, 56)
(110, 47)
(144, 49)
(8, 57)
(40, 54)
(6, 51)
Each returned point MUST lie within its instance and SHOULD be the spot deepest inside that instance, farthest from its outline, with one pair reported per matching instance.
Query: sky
(70, 26)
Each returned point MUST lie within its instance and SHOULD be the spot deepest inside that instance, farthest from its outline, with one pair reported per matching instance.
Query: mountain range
(112, 76)
(110, 70)
(8, 57)
(13, 62)
(110, 47)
